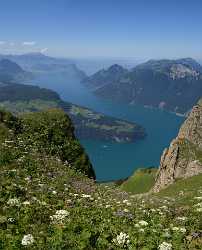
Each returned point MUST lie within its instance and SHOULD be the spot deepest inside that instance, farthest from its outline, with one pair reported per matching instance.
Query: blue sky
(106, 28)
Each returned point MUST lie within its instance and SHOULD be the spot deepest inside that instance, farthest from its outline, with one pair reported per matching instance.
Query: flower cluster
(122, 239)
(59, 216)
(28, 239)
(165, 246)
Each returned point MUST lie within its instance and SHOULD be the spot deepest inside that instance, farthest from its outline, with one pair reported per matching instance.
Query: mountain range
(21, 98)
(39, 64)
(173, 85)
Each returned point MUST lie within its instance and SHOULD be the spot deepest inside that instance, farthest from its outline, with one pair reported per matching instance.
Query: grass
(141, 181)
(183, 190)
(47, 203)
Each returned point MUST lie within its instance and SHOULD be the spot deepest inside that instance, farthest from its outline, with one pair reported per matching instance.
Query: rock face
(183, 158)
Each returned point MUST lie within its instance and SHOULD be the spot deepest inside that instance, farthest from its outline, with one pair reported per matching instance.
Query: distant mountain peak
(8, 65)
(116, 67)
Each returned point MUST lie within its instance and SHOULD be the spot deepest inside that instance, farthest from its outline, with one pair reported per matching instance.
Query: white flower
(179, 229)
(165, 246)
(199, 209)
(13, 202)
(11, 220)
(198, 205)
(27, 240)
(143, 223)
(54, 192)
(122, 239)
(86, 195)
(26, 203)
(141, 230)
(198, 198)
(59, 216)
(183, 218)
(125, 201)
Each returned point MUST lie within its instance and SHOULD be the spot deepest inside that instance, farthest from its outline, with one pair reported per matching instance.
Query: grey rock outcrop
(183, 158)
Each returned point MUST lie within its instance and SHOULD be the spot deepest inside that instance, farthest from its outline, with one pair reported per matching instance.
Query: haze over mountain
(40, 64)
(174, 85)
(11, 71)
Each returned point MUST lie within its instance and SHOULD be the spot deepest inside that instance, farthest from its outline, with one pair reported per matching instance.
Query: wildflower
(198, 198)
(86, 195)
(11, 220)
(13, 202)
(59, 216)
(165, 246)
(28, 179)
(54, 192)
(26, 203)
(183, 218)
(198, 205)
(179, 229)
(199, 209)
(125, 201)
(121, 239)
(141, 230)
(27, 240)
(143, 223)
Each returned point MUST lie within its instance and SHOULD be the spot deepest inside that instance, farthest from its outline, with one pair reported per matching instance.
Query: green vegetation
(50, 133)
(84, 112)
(46, 201)
(183, 190)
(20, 107)
(141, 181)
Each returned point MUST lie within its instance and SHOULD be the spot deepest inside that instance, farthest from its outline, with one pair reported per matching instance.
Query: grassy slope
(96, 214)
(183, 190)
(141, 181)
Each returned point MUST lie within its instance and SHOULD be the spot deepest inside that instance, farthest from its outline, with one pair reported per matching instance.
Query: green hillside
(141, 181)
(47, 201)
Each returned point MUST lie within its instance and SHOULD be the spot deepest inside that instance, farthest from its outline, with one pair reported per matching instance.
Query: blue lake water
(113, 160)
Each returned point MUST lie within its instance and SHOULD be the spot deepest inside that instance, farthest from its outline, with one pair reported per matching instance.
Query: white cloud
(2, 42)
(44, 50)
(11, 44)
(31, 43)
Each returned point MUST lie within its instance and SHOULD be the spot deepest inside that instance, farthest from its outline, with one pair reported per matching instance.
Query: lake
(113, 160)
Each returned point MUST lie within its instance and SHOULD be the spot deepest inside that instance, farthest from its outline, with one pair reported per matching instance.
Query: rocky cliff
(183, 158)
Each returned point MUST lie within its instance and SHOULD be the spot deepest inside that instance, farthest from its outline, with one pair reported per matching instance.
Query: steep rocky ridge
(183, 158)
